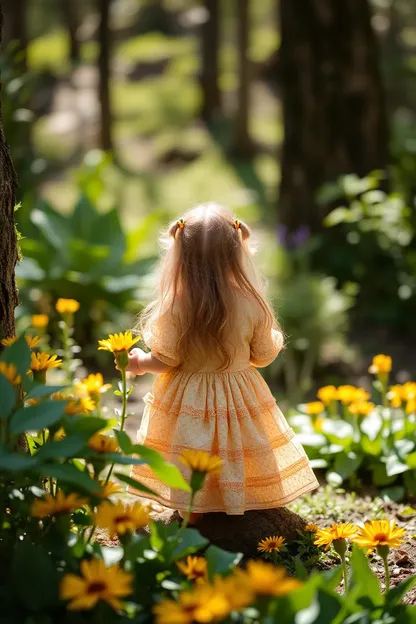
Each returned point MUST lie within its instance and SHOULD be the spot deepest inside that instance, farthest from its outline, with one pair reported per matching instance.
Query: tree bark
(211, 96)
(8, 238)
(104, 40)
(242, 145)
(70, 10)
(14, 24)
(333, 102)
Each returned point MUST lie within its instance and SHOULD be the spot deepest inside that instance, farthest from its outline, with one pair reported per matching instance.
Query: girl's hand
(134, 362)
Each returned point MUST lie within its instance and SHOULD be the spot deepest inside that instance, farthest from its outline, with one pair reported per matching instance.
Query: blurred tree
(333, 102)
(104, 41)
(8, 238)
(242, 145)
(70, 10)
(15, 28)
(211, 96)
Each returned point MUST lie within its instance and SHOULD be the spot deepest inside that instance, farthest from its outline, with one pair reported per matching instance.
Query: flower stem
(344, 573)
(124, 399)
(66, 364)
(188, 513)
(386, 572)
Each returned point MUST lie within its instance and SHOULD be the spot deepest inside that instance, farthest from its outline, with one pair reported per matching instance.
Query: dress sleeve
(162, 339)
(265, 345)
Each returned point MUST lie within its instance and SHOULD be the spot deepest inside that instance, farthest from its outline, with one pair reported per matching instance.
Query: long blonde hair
(207, 262)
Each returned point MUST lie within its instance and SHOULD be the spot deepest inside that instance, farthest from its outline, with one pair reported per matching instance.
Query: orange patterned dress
(230, 413)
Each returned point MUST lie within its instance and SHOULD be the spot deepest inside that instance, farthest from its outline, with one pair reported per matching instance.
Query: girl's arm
(141, 363)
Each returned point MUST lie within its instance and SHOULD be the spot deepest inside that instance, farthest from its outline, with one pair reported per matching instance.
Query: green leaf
(67, 473)
(40, 391)
(84, 424)
(84, 218)
(36, 417)
(19, 355)
(62, 449)
(363, 580)
(190, 542)
(395, 493)
(346, 464)
(134, 483)
(220, 561)
(34, 577)
(168, 473)
(124, 441)
(394, 465)
(8, 397)
(15, 461)
(337, 216)
(125, 460)
(395, 595)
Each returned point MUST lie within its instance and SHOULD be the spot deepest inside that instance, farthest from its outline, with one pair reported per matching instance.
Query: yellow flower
(32, 341)
(271, 544)
(361, 408)
(381, 364)
(395, 396)
(201, 461)
(361, 395)
(318, 423)
(60, 504)
(327, 394)
(102, 443)
(44, 362)
(82, 405)
(92, 385)
(203, 604)
(120, 519)
(265, 579)
(411, 406)
(118, 342)
(235, 590)
(194, 568)
(40, 320)
(379, 533)
(346, 394)
(60, 434)
(315, 408)
(10, 372)
(108, 489)
(67, 306)
(409, 390)
(96, 583)
(313, 528)
(342, 531)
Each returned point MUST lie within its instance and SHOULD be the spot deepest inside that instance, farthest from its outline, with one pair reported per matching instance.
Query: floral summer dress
(229, 413)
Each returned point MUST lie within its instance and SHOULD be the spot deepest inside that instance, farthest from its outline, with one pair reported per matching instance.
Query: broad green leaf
(190, 542)
(125, 460)
(54, 226)
(84, 218)
(411, 460)
(346, 464)
(168, 473)
(220, 561)
(62, 449)
(134, 483)
(124, 441)
(15, 461)
(67, 473)
(363, 580)
(40, 391)
(7, 397)
(395, 466)
(18, 354)
(34, 577)
(395, 594)
(395, 493)
(380, 475)
(82, 424)
(36, 417)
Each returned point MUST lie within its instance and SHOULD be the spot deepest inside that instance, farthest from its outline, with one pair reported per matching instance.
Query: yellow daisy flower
(235, 590)
(313, 528)
(92, 386)
(54, 505)
(32, 341)
(83, 405)
(411, 406)
(10, 372)
(314, 408)
(201, 461)
(395, 396)
(44, 362)
(379, 533)
(102, 443)
(118, 342)
(203, 604)
(67, 306)
(271, 544)
(120, 519)
(346, 394)
(194, 568)
(39, 321)
(108, 489)
(265, 579)
(361, 395)
(341, 531)
(409, 390)
(361, 408)
(97, 582)
(327, 394)
(381, 364)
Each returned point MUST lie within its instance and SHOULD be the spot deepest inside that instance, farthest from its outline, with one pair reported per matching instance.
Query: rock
(242, 533)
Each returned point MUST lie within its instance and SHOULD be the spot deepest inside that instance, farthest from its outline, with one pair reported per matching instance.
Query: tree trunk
(104, 40)
(8, 239)
(242, 146)
(211, 96)
(333, 102)
(14, 22)
(70, 10)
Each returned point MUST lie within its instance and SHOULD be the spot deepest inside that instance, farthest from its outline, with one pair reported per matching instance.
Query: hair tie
(237, 224)
(180, 223)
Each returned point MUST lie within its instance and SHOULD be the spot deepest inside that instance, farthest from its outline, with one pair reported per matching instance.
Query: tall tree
(333, 101)
(70, 11)
(8, 239)
(211, 96)
(104, 59)
(242, 145)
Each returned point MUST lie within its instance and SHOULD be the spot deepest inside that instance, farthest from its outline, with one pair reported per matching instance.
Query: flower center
(96, 588)
(119, 519)
(380, 537)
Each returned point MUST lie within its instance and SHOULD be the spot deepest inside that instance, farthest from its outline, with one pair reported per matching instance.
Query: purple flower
(300, 236)
(292, 240)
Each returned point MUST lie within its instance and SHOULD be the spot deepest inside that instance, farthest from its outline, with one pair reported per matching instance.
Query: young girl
(209, 329)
